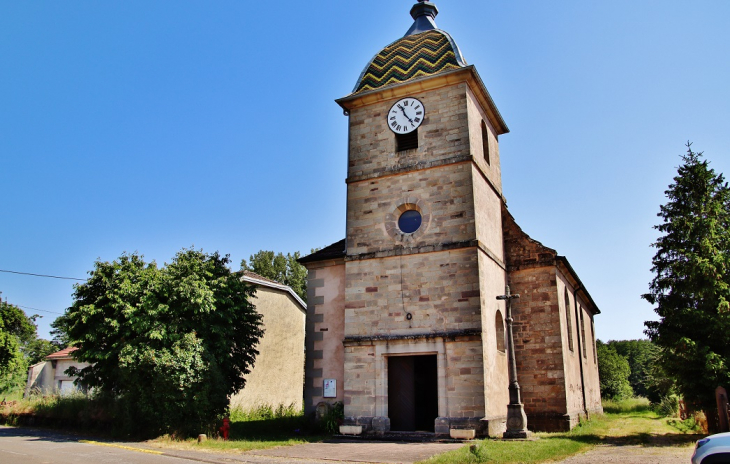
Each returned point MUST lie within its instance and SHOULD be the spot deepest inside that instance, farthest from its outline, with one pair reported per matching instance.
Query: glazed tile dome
(425, 50)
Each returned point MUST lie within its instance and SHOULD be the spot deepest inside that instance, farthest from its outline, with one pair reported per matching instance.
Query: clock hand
(404, 114)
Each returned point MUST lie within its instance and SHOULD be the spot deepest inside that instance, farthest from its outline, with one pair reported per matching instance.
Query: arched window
(499, 330)
(583, 332)
(485, 142)
(568, 318)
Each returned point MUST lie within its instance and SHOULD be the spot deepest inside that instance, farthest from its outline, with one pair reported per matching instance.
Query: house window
(568, 318)
(485, 142)
(407, 141)
(499, 330)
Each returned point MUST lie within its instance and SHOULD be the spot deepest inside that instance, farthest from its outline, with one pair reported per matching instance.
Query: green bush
(668, 406)
(267, 421)
(333, 419)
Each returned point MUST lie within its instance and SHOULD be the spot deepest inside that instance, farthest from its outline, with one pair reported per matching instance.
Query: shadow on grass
(643, 439)
(279, 428)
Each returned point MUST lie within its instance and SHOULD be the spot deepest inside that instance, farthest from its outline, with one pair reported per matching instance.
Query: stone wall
(440, 291)
(443, 196)
(325, 331)
(443, 135)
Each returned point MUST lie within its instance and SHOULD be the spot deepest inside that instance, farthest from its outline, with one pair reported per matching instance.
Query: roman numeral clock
(406, 115)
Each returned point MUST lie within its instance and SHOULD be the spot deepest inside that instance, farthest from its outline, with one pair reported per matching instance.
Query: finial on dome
(423, 13)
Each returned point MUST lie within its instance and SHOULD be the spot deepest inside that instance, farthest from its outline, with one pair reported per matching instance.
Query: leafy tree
(281, 268)
(642, 357)
(36, 350)
(24, 328)
(19, 346)
(691, 284)
(613, 372)
(170, 343)
(17, 323)
(60, 337)
(12, 364)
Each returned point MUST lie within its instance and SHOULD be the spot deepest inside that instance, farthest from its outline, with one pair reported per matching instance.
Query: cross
(508, 295)
(516, 418)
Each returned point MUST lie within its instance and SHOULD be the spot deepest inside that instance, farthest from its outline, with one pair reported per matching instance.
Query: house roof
(334, 251)
(63, 354)
(256, 279)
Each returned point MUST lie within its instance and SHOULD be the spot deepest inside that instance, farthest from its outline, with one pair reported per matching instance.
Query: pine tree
(691, 285)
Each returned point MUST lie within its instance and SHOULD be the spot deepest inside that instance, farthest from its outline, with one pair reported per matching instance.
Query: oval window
(409, 221)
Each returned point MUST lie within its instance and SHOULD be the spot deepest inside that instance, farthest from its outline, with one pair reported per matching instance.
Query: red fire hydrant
(226, 428)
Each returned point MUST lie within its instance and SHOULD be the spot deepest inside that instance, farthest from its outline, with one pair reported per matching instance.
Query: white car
(714, 449)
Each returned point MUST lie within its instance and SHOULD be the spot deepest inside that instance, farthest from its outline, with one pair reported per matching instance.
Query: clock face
(406, 115)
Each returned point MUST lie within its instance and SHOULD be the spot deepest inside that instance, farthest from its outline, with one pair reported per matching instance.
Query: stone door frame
(385, 349)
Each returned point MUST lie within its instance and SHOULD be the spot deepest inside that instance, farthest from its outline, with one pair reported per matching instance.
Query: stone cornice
(452, 335)
(466, 75)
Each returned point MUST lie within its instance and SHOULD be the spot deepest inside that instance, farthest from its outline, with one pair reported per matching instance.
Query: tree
(60, 338)
(613, 372)
(12, 363)
(642, 358)
(19, 346)
(170, 343)
(691, 284)
(281, 268)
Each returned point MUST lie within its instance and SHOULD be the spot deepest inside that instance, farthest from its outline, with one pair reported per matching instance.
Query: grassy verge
(630, 422)
(261, 428)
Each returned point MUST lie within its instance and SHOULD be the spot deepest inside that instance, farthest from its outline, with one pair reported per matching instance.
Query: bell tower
(423, 335)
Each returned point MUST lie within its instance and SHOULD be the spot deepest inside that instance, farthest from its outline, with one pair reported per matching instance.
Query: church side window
(593, 336)
(499, 331)
(407, 141)
(583, 332)
(568, 318)
(485, 142)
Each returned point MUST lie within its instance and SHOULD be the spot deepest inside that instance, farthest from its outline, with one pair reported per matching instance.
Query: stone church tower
(403, 324)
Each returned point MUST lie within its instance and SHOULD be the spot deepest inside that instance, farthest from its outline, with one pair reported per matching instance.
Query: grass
(260, 428)
(630, 422)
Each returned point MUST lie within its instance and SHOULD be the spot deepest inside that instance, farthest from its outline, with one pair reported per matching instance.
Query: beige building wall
(48, 377)
(496, 375)
(278, 373)
(571, 357)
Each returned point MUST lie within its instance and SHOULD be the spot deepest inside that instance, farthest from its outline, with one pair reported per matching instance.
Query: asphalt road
(32, 446)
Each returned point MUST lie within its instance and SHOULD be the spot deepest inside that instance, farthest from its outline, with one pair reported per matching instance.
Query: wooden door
(412, 393)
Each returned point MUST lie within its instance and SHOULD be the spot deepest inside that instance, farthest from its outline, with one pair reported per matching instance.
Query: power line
(43, 275)
(36, 309)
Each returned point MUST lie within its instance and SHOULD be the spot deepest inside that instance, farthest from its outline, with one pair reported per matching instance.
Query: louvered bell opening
(407, 141)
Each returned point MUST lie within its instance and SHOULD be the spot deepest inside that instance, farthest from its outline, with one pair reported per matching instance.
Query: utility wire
(42, 275)
(36, 309)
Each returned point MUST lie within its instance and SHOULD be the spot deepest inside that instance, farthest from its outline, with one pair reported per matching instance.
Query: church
(404, 325)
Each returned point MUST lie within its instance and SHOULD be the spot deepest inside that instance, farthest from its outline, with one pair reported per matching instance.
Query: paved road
(30, 446)
(34, 446)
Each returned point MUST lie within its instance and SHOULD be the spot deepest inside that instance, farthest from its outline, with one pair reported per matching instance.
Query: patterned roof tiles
(413, 56)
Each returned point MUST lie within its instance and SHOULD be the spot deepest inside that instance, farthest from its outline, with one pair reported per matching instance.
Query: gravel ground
(634, 454)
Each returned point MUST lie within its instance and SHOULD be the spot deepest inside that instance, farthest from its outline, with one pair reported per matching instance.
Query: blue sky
(153, 126)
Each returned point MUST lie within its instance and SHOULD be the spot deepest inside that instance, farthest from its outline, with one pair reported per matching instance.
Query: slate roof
(334, 251)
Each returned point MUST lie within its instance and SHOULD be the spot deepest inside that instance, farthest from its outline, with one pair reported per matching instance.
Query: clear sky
(152, 126)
